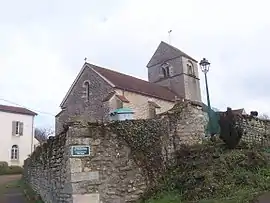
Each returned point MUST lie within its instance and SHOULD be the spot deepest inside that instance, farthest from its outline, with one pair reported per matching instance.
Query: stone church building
(96, 91)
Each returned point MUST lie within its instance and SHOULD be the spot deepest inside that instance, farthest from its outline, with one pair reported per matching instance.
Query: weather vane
(85, 59)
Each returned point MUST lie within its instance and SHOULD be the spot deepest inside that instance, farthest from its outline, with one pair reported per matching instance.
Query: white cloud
(43, 45)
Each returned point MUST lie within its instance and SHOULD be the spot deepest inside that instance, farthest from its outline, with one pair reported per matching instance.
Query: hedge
(9, 170)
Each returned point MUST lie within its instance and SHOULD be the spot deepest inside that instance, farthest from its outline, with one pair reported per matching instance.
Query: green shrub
(230, 130)
(3, 164)
(15, 170)
(212, 171)
(9, 170)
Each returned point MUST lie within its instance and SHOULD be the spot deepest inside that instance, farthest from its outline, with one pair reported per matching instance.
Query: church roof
(136, 85)
(166, 52)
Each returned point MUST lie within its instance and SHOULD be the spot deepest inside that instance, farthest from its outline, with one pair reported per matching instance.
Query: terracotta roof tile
(17, 110)
(132, 84)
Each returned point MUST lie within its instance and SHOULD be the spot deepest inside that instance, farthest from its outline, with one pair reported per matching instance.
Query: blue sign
(80, 150)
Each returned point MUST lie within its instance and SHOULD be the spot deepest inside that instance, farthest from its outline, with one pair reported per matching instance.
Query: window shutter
(21, 128)
(13, 128)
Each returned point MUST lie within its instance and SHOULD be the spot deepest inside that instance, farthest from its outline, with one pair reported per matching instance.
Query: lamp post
(205, 64)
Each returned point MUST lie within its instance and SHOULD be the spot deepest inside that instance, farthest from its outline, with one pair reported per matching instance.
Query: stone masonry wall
(126, 157)
(76, 103)
(255, 130)
(47, 170)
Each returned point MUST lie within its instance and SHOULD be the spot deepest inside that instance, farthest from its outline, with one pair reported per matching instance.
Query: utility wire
(41, 112)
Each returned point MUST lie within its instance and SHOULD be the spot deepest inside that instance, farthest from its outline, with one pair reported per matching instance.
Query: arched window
(86, 85)
(14, 152)
(166, 69)
(164, 72)
(190, 68)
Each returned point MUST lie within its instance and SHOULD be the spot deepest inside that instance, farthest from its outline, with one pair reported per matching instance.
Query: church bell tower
(175, 70)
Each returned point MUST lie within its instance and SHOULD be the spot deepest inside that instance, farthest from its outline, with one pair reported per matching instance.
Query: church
(97, 91)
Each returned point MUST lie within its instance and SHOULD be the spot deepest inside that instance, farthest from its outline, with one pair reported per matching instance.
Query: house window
(190, 69)
(14, 152)
(17, 128)
(86, 85)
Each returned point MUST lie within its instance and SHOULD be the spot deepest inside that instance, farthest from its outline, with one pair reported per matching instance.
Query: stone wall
(255, 130)
(47, 170)
(125, 157)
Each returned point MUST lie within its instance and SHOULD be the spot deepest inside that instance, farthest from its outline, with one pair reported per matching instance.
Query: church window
(190, 69)
(86, 85)
(166, 69)
(164, 72)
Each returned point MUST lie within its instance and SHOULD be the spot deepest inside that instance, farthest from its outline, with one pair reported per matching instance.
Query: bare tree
(42, 134)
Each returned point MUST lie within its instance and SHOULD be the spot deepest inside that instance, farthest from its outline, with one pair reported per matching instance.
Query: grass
(214, 174)
(243, 196)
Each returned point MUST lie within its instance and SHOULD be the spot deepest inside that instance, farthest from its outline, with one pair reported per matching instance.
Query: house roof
(239, 111)
(165, 52)
(136, 85)
(17, 110)
(236, 111)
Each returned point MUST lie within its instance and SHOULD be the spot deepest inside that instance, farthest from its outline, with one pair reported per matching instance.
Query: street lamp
(205, 64)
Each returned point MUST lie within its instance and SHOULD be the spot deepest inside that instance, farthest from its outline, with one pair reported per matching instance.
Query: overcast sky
(43, 45)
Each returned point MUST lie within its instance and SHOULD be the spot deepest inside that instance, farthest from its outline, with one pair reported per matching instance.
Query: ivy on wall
(143, 137)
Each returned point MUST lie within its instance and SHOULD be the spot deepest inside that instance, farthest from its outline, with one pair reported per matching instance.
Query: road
(10, 192)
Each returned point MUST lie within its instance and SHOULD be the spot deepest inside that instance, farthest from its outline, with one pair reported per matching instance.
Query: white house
(17, 134)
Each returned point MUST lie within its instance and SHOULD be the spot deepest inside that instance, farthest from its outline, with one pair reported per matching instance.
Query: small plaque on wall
(80, 150)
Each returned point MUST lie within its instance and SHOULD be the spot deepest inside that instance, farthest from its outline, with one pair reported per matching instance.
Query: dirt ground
(11, 194)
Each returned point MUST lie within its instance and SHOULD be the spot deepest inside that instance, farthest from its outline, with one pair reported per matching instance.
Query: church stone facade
(174, 69)
(96, 91)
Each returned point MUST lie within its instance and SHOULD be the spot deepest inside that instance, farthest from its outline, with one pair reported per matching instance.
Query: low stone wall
(47, 170)
(255, 130)
(125, 157)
